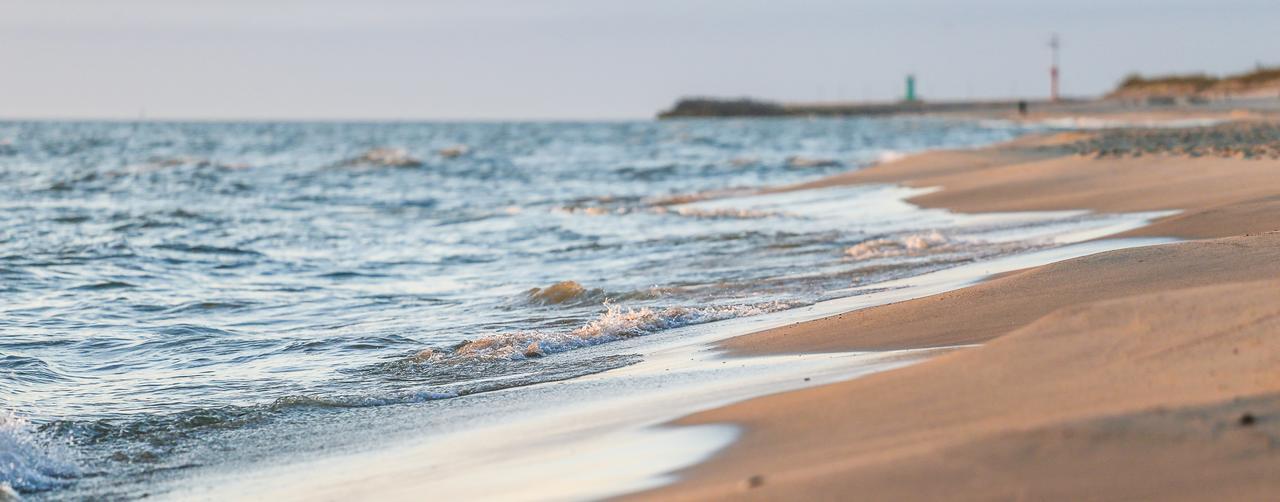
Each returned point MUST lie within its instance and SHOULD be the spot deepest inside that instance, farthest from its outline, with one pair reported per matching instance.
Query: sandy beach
(1144, 373)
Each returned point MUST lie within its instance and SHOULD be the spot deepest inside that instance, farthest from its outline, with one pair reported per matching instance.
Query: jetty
(748, 107)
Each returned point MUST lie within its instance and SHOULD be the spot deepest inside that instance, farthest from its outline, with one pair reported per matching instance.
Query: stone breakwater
(747, 107)
(1249, 140)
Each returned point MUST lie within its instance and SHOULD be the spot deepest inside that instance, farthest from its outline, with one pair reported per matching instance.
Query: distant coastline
(1186, 89)
(749, 107)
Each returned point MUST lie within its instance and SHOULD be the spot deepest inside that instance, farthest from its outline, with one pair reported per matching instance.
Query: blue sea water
(164, 283)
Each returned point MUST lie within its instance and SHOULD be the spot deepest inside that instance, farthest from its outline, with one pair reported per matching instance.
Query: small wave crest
(384, 157)
(450, 152)
(888, 156)
(574, 294)
(149, 441)
(154, 435)
(30, 462)
(724, 213)
(801, 162)
(616, 323)
(105, 285)
(685, 198)
(561, 292)
(678, 210)
(21, 369)
(909, 245)
(206, 249)
(161, 162)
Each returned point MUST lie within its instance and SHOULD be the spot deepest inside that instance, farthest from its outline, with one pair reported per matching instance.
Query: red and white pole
(1053, 70)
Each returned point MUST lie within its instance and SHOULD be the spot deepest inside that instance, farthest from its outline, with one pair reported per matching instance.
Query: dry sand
(1146, 373)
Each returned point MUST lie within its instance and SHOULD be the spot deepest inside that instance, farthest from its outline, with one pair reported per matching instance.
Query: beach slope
(1144, 373)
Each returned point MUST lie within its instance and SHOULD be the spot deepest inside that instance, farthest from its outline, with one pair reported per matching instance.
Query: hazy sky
(482, 59)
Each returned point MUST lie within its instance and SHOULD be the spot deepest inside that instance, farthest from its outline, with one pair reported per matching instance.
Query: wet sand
(1144, 373)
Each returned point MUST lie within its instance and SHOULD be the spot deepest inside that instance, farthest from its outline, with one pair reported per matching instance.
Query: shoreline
(610, 410)
(1132, 343)
(681, 374)
(595, 420)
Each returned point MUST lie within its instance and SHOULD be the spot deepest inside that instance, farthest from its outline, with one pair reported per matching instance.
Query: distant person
(1022, 108)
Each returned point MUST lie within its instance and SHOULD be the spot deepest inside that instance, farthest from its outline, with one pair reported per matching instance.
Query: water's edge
(612, 419)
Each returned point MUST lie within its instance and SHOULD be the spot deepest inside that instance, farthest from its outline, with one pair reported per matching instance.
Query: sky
(585, 59)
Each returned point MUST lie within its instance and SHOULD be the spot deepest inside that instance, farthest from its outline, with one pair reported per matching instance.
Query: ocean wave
(30, 462)
(153, 442)
(26, 370)
(571, 293)
(383, 157)
(679, 210)
(685, 198)
(450, 152)
(908, 245)
(206, 249)
(207, 306)
(801, 162)
(162, 162)
(888, 156)
(592, 210)
(149, 437)
(616, 323)
(108, 284)
(162, 432)
(723, 213)
(562, 292)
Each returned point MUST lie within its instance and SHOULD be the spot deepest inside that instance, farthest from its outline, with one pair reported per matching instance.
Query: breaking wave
(888, 156)
(30, 462)
(616, 323)
(384, 157)
(909, 245)
(561, 292)
(573, 294)
(724, 213)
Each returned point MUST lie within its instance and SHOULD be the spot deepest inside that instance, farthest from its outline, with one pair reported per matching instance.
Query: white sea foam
(723, 212)
(615, 323)
(890, 156)
(28, 462)
(386, 157)
(908, 245)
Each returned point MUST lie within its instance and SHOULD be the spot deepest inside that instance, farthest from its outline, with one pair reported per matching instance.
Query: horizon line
(180, 119)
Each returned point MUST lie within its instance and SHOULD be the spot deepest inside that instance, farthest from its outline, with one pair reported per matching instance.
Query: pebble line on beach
(1258, 140)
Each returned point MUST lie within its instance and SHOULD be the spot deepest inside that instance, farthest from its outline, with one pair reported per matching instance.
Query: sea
(180, 297)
